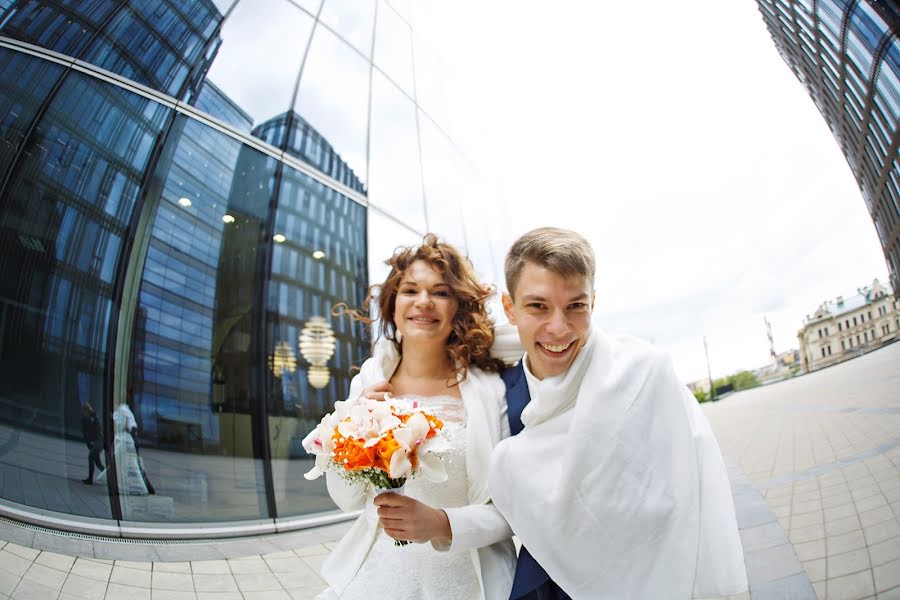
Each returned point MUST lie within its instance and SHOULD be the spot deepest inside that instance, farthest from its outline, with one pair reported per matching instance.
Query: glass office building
(847, 55)
(184, 187)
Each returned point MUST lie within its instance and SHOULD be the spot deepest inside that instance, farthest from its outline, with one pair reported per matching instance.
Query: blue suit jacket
(529, 574)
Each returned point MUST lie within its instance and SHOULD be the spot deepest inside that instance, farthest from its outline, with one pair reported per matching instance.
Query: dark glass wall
(161, 254)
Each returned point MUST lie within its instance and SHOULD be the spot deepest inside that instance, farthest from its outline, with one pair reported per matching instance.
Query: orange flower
(384, 450)
(351, 454)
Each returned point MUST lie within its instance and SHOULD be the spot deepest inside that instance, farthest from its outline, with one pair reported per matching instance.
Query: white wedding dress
(418, 570)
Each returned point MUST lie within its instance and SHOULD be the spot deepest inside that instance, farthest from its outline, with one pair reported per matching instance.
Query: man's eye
(535, 305)
(577, 305)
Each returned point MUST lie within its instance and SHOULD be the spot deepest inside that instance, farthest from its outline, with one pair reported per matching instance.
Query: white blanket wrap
(616, 485)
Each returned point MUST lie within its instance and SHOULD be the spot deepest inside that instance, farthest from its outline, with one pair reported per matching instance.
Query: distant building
(844, 328)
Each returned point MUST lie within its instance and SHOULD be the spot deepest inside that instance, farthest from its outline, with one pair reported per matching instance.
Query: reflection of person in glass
(90, 430)
(434, 347)
(132, 478)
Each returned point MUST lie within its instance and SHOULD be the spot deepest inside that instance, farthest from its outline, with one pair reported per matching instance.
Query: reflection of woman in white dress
(433, 348)
(128, 466)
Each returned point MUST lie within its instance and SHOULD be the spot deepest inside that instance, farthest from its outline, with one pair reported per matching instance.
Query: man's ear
(593, 298)
(508, 308)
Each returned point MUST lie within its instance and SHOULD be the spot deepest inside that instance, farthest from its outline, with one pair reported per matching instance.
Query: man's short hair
(559, 250)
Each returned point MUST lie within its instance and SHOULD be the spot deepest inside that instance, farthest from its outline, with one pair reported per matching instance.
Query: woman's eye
(442, 293)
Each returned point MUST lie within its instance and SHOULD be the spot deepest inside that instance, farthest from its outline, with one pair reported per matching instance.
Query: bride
(434, 348)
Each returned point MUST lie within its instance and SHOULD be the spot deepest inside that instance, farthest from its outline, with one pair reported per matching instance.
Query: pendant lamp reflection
(317, 346)
(283, 359)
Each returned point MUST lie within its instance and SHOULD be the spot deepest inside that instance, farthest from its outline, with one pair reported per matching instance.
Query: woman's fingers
(378, 390)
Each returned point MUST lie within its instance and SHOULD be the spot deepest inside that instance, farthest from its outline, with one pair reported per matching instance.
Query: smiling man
(613, 480)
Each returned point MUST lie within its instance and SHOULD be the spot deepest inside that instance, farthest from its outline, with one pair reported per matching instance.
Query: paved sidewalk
(813, 464)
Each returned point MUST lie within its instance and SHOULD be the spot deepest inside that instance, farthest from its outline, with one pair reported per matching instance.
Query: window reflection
(442, 186)
(258, 59)
(61, 26)
(393, 48)
(395, 180)
(334, 98)
(65, 214)
(353, 21)
(385, 236)
(160, 44)
(320, 264)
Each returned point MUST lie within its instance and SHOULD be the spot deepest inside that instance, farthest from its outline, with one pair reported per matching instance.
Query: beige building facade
(846, 327)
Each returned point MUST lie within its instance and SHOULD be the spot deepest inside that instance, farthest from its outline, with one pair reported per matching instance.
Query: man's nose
(558, 324)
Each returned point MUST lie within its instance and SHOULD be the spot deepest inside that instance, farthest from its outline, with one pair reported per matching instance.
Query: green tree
(701, 395)
(743, 380)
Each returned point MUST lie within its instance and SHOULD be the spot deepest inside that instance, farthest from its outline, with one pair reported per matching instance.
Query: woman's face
(425, 305)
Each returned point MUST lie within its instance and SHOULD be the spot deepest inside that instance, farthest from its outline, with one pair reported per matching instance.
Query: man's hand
(378, 390)
(404, 518)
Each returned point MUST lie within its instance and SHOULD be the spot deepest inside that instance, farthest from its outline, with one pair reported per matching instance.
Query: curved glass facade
(183, 186)
(847, 55)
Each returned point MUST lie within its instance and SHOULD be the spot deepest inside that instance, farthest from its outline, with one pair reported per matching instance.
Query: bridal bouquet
(382, 443)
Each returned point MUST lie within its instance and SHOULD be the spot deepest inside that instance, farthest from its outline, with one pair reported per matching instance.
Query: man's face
(553, 315)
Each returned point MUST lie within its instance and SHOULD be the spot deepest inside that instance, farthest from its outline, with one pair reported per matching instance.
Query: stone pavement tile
(16, 534)
(838, 544)
(172, 567)
(120, 551)
(850, 587)
(220, 582)
(807, 534)
(838, 499)
(172, 595)
(252, 564)
(8, 582)
(770, 564)
(782, 511)
(891, 494)
(871, 502)
(311, 550)
(808, 550)
(27, 553)
(267, 595)
(885, 552)
(845, 525)
(847, 563)
(887, 576)
(314, 562)
(141, 565)
(281, 554)
(12, 563)
(172, 581)
(309, 593)
(219, 596)
(210, 567)
(30, 590)
(816, 569)
(84, 587)
(299, 579)
(795, 587)
(819, 588)
(104, 561)
(60, 562)
(840, 512)
(800, 508)
(45, 576)
(882, 531)
(876, 516)
(285, 565)
(892, 594)
(257, 582)
(864, 492)
(753, 514)
(117, 591)
(131, 577)
(798, 521)
(91, 569)
(741, 596)
(187, 552)
(245, 548)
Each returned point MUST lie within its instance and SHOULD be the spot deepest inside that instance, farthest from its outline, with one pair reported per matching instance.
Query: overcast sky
(675, 138)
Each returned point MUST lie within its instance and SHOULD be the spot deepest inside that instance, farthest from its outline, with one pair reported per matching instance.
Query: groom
(612, 480)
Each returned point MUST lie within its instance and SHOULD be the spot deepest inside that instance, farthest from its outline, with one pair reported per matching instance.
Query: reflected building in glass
(179, 197)
(847, 55)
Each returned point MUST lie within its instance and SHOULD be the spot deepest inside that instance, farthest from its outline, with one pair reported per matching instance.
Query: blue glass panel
(194, 369)
(887, 83)
(61, 26)
(353, 21)
(320, 263)
(61, 246)
(165, 44)
(25, 82)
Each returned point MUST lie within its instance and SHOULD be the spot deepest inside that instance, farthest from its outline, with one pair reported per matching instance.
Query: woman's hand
(378, 390)
(405, 518)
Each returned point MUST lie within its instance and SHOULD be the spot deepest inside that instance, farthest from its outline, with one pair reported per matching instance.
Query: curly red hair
(472, 332)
